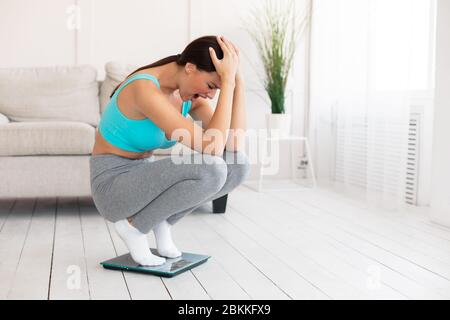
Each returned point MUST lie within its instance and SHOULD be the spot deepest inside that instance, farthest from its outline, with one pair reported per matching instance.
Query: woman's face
(197, 83)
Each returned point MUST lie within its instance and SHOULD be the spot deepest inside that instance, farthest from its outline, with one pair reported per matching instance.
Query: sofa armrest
(3, 119)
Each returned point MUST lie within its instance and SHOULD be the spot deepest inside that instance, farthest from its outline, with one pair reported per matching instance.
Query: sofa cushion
(49, 138)
(58, 93)
(3, 119)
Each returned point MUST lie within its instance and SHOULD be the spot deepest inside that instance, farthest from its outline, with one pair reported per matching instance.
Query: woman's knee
(239, 163)
(214, 172)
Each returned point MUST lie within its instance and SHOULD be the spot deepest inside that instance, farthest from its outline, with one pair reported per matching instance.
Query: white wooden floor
(305, 244)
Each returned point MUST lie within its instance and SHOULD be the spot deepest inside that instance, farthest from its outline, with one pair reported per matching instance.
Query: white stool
(293, 162)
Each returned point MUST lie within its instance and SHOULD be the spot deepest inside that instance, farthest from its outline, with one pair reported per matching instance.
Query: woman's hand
(228, 66)
(146, 154)
(238, 70)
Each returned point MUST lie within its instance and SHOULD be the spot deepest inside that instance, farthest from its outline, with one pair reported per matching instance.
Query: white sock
(137, 244)
(164, 242)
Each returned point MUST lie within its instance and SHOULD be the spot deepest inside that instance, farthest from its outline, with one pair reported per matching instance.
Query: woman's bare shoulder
(149, 89)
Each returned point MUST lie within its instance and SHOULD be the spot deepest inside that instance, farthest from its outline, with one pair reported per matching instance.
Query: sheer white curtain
(368, 60)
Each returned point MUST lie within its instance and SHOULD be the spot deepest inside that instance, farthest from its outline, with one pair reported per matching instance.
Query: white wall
(34, 33)
(440, 195)
(52, 32)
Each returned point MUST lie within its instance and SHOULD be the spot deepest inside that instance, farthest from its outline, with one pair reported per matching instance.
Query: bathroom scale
(172, 266)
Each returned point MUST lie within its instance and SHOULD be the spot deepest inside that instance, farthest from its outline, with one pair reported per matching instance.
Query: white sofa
(48, 117)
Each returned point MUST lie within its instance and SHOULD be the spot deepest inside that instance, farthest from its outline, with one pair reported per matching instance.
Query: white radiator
(352, 156)
(412, 168)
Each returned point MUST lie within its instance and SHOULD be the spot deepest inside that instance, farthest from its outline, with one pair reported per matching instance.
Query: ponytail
(197, 52)
(174, 58)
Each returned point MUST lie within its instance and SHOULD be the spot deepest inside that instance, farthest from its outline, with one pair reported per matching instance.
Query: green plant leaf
(276, 32)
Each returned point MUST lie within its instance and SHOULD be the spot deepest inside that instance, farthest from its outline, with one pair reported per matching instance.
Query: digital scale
(172, 266)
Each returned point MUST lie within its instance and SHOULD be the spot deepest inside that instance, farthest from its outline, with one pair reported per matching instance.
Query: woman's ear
(190, 67)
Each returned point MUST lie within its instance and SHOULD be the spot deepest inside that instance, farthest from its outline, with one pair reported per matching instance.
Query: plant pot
(278, 124)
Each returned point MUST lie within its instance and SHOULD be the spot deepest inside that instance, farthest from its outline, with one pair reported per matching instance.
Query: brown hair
(196, 52)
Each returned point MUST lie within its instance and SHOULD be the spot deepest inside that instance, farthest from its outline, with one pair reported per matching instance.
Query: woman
(138, 193)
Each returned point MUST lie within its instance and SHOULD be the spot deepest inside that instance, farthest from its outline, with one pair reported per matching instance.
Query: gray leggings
(150, 191)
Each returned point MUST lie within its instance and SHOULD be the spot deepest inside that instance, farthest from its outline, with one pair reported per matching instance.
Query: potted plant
(276, 31)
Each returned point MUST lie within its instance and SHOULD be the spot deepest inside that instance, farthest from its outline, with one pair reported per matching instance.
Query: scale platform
(172, 266)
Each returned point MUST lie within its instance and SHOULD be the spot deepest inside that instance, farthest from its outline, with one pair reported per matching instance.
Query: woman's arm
(202, 111)
(157, 107)
(238, 126)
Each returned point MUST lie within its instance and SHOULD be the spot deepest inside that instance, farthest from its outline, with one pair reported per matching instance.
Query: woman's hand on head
(227, 67)
(238, 71)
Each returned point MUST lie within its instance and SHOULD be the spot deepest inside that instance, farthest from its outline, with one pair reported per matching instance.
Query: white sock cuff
(125, 226)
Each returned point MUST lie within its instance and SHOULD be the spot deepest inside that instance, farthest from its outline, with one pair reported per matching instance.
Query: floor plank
(281, 273)
(296, 244)
(12, 239)
(211, 275)
(323, 223)
(324, 245)
(69, 278)
(98, 247)
(239, 267)
(330, 273)
(6, 206)
(415, 218)
(355, 227)
(32, 277)
(376, 221)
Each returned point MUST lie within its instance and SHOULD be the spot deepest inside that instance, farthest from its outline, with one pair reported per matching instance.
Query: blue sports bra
(130, 134)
